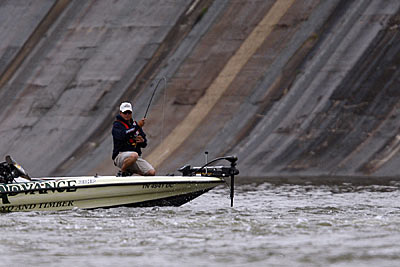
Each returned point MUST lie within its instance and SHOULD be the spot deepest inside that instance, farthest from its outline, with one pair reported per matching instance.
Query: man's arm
(141, 138)
(119, 131)
(141, 122)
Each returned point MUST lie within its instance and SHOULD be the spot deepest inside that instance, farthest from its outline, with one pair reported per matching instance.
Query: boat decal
(152, 184)
(37, 206)
(158, 185)
(33, 187)
(87, 181)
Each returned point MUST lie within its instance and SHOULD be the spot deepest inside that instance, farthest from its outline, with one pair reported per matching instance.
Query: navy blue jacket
(124, 139)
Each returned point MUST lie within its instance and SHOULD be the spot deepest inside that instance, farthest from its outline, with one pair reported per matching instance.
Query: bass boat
(19, 192)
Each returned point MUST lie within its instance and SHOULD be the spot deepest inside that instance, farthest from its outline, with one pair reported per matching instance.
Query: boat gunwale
(95, 185)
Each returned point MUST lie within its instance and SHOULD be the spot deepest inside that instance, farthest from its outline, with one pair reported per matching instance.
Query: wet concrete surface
(317, 97)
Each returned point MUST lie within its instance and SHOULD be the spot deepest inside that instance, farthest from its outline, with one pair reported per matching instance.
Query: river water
(270, 225)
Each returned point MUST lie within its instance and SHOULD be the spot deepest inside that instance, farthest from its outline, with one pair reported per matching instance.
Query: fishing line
(164, 100)
(155, 89)
(163, 110)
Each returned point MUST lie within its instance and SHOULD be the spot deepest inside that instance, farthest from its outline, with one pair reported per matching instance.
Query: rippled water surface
(286, 225)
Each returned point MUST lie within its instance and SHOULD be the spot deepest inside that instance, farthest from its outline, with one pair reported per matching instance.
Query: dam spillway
(293, 88)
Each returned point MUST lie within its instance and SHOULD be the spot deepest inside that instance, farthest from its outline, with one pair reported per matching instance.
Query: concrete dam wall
(292, 87)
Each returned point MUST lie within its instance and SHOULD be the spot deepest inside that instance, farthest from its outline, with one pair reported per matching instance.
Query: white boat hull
(91, 192)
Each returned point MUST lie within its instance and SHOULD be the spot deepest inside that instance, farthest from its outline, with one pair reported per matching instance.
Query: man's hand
(139, 139)
(141, 122)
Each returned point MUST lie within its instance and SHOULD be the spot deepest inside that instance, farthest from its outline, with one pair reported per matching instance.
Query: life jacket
(131, 141)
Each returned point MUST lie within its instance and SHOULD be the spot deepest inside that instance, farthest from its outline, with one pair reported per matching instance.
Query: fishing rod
(154, 92)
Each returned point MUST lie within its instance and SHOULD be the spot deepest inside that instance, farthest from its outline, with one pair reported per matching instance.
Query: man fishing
(129, 139)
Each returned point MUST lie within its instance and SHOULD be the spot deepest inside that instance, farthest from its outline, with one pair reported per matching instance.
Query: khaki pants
(140, 167)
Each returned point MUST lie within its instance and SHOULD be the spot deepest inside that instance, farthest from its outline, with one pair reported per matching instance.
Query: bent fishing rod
(154, 92)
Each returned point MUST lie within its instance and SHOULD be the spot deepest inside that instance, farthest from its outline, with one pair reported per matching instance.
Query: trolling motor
(9, 170)
(214, 171)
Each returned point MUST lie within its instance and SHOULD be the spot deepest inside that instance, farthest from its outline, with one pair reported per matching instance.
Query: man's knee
(133, 157)
(129, 161)
(150, 173)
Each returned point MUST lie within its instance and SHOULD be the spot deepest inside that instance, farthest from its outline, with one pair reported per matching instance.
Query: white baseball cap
(125, 107)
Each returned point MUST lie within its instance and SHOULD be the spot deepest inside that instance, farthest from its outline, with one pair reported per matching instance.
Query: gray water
(286, 225)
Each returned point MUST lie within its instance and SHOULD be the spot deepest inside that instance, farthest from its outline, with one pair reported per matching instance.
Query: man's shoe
(124, 174)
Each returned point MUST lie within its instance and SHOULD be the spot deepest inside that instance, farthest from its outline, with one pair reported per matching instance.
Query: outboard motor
(7, 173)
(10, 169)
